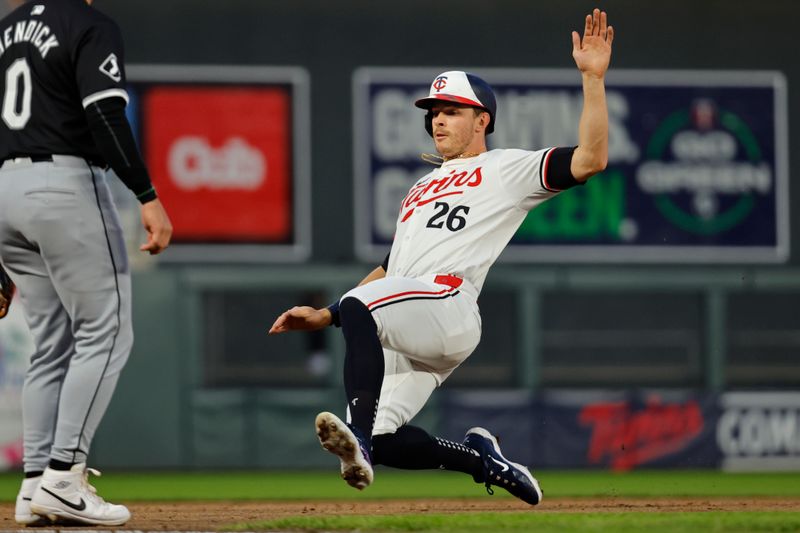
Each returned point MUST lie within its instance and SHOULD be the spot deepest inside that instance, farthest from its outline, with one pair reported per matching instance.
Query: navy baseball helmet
(463, 88)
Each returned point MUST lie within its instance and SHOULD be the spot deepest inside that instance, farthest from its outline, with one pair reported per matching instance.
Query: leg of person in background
(74, 283)
(50, 327)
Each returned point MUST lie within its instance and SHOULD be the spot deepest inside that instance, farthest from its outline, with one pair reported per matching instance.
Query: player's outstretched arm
(303, 318)
(592, 54)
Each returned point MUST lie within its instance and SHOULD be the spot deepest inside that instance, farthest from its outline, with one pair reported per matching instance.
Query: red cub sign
(221, 161)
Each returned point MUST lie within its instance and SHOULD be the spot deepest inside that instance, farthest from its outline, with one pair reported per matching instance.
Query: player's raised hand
(301, 318)
(592, 54)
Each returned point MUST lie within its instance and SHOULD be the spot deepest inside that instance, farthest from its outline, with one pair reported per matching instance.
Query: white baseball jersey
(459, 218)
(456, 220)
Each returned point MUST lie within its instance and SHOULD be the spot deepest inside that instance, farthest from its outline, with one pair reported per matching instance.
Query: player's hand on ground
(158, 227)
(592, 54)
(301, 318)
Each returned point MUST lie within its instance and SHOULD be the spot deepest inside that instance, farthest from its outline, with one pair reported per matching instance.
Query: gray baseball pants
(62, 244)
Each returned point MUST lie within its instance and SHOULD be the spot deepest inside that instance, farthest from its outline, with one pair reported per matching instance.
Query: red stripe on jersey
(544, 171)
(407, 293)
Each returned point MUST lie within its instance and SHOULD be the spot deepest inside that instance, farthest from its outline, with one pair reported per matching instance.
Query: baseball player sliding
(415, 318)
(63, 91)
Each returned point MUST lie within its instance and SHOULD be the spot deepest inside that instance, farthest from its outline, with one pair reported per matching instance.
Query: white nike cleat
(346, 442)
(68, 496)
(22, 511)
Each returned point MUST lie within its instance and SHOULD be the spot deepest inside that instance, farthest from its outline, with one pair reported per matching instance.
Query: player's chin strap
(433, 159)
(438, 160)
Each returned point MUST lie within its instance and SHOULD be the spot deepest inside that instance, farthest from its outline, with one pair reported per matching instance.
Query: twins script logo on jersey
(434, 189)
(110, 68)
(440, 83)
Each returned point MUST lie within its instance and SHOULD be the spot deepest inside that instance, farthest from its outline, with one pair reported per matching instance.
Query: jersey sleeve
(533, 176)
(99, 65)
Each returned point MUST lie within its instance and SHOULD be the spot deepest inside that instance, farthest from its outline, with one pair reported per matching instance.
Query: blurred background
(647, 319)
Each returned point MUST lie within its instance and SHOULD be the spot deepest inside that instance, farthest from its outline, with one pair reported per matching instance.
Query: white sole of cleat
(336, 437)
(60, 516)
(32, 520)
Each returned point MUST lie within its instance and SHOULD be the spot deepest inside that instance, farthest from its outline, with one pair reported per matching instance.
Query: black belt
(49, 159)
(33, 158)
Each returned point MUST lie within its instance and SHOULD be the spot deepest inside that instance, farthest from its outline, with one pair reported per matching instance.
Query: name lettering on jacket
(28, 31)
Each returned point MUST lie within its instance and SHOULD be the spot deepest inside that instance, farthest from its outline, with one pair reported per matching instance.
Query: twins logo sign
(697, 169)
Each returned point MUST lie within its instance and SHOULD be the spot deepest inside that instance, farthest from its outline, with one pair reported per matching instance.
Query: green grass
(390, 484)
(165, 486)
(754, 522)
(545, 522)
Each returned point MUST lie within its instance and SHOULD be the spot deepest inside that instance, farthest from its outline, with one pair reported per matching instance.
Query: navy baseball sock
(363, 363)
(412, 448)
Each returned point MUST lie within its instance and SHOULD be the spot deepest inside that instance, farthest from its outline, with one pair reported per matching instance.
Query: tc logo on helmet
(440, 83)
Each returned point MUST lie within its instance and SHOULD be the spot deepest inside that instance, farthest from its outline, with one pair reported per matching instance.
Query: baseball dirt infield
(216, 516)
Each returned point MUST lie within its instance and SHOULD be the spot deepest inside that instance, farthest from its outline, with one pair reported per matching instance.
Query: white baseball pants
(427, 328)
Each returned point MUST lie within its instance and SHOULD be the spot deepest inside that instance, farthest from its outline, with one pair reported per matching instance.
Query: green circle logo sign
(703, 175)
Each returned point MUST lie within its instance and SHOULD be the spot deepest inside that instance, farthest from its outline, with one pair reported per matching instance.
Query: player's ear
(483, 121)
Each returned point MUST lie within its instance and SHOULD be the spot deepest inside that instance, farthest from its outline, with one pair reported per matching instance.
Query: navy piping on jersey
(119, 313)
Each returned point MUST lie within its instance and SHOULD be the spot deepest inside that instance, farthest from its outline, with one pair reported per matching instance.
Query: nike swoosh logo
(80, 506)
(502, 465)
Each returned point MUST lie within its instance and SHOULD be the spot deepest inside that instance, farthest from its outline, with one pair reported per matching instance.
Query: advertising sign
(228, 148)
(760, 431)
(222, 159)
(697, 167)
(624, 430)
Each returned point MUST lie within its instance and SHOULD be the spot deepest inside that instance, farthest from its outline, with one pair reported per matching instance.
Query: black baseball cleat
(499, 471)
(347, 443)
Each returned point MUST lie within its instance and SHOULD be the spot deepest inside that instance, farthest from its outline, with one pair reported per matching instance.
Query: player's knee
(353, 313)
